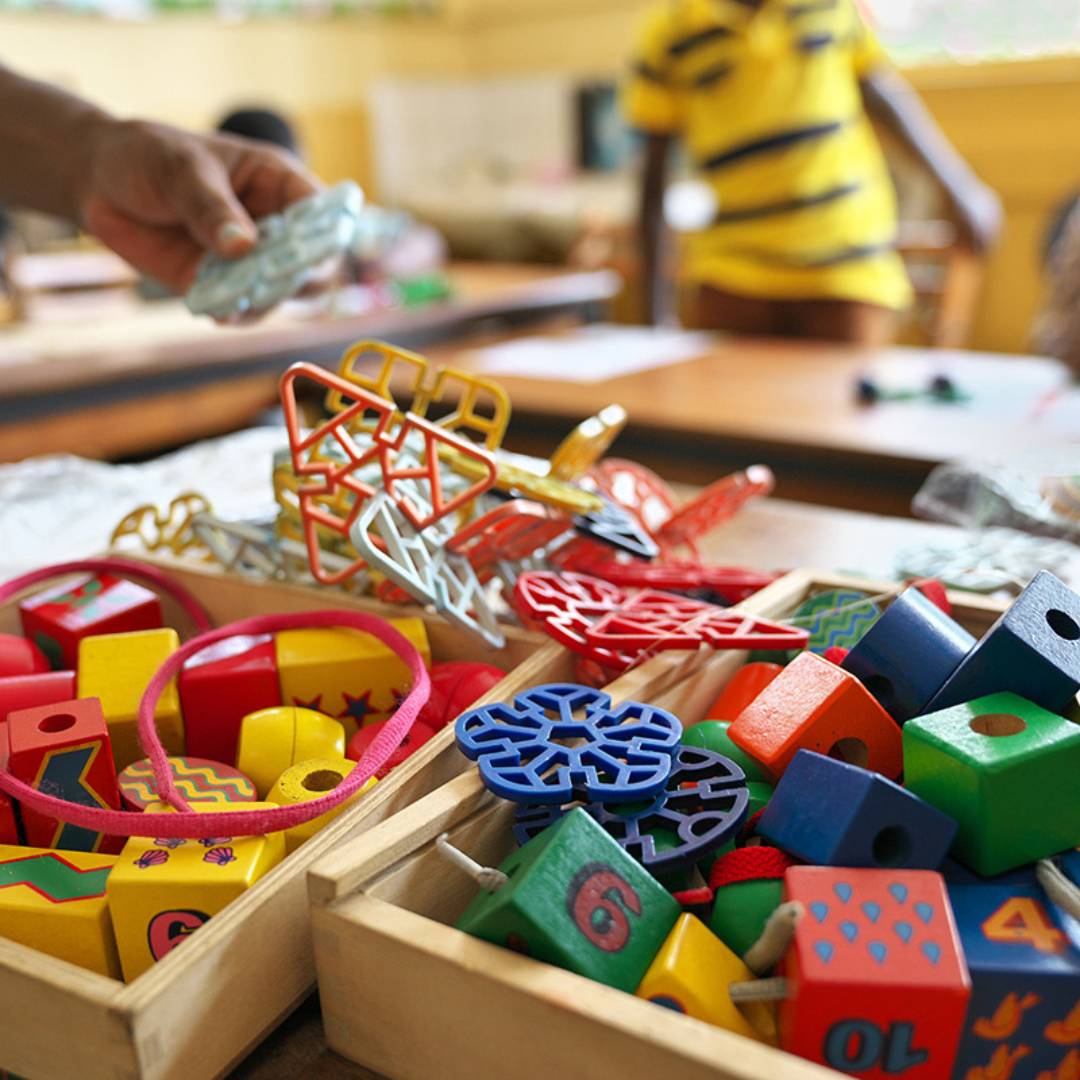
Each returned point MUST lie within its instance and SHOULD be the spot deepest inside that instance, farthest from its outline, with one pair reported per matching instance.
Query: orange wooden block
(745, 685)
(814, 705)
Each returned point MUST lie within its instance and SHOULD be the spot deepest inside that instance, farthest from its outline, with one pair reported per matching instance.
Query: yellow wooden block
(346, 673)
(691, 974)
(309, 780)
(161, 891)
(54, 901)
(272, 740)
(116, 669)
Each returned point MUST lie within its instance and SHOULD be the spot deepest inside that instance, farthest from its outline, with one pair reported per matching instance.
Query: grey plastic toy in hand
(290, 248)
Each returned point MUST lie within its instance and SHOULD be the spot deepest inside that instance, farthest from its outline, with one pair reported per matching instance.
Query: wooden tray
(205, 1005)
(405, 994)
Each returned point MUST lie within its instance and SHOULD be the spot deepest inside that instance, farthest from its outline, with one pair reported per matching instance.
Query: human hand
(162, 198)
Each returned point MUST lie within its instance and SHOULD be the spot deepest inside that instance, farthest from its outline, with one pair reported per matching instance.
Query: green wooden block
(1006, 770)
(577, 900)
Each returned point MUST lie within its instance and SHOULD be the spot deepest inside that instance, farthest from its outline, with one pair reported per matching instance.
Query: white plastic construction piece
(291, 246)
(237, 546)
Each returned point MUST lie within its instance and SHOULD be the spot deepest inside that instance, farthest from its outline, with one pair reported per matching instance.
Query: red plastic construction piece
(731, 583)
(719, 502)
(332, 495)
(510, 532)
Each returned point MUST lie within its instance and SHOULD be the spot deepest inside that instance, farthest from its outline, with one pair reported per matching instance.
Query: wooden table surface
(793, 406)
(768, 533)
(114, 382)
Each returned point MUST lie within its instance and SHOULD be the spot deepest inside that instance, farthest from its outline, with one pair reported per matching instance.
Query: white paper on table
(592, 353)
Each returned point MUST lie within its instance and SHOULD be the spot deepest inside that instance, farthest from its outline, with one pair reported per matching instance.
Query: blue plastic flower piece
(617, 754)
(704, 804)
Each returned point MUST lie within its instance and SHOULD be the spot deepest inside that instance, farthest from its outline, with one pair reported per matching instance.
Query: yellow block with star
(161, 891)
(117, 668)
(345, 673)
(54, 901)
(691, 974)
(309, 780)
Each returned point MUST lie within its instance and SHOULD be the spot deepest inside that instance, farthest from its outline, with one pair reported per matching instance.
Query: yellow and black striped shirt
(767, 104)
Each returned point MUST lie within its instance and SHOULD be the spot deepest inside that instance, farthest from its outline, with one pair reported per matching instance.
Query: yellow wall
(1014, 122)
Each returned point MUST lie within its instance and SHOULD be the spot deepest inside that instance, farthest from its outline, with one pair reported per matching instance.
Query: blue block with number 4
(1023, 1019)
(577, 900)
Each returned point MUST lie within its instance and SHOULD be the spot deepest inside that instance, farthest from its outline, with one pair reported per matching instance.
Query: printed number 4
(1023, 920)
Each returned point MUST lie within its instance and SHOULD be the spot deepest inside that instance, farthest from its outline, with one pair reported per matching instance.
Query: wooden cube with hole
(1005, 769)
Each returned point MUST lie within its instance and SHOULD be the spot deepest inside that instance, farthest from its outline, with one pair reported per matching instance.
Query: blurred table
(119, 381)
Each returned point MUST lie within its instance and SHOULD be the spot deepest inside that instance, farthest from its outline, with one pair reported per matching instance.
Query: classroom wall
(1014, 122)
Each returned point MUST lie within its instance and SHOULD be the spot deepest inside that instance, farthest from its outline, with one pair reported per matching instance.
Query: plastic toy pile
(866, 855)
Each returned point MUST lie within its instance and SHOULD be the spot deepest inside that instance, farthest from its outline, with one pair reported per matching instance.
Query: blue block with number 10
(577, 900)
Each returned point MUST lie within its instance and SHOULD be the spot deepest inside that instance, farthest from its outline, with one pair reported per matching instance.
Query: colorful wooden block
(691, 975)
(163, 890)
(419, 734)
(577, 900)
(64, 750)
(219, 686)
(906, 656)
(744, 686)
(20, 656)
(455, 685)
(814, 705)
(877, 983)
(309, 780)
(346, 674)
(198, 780)
(54, 901)
(1005, 770)
(273, 740)
(835, 619)
(58, 618)
(116, 669)
(1022, 952)
(37, 688)
(835, 814)
(1032, 650)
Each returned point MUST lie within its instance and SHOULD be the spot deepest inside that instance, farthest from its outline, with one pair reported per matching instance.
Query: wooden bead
(416, 736)
(161, 891)
(455, 685)
(38, 688)
(744, 686)
(219, 686)
(54, 901)
(309, 780)
(64, 750)
(197, 780)
(814, 705)
(577, 900)
(347, 674)
(904, 658)
(18, 656)
(877, 983)
(835, 814)
(1032, 650)
(116, 668)
(1005, 770)
(58, 618)
(272, 740)
(750, 887)
(691, 975)
(1024, 1015)
(714, 735)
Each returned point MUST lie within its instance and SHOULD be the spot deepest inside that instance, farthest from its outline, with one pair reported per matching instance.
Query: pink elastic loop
(192, 825)
(125, 567)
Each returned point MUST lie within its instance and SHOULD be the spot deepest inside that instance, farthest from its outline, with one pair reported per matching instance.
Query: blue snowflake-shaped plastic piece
(618, 754)
(704, 804)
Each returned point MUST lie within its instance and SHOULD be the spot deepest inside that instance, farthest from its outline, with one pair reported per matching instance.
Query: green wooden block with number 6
(577, 900)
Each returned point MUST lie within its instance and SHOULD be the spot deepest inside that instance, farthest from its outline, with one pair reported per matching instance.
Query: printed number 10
(857, 1045)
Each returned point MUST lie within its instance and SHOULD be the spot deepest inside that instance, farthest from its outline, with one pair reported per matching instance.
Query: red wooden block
(20, 657)
(877, 982)
(219, 686)
(64, 749)
(455, 685)
(745, 685)
(814, 705)
(38, 688)
(59, 618)
(9, 827)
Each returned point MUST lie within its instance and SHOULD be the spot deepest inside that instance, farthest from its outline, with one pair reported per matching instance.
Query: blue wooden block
(828, 812)
(904, 657)
(1033, 650)
(1023, 954)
